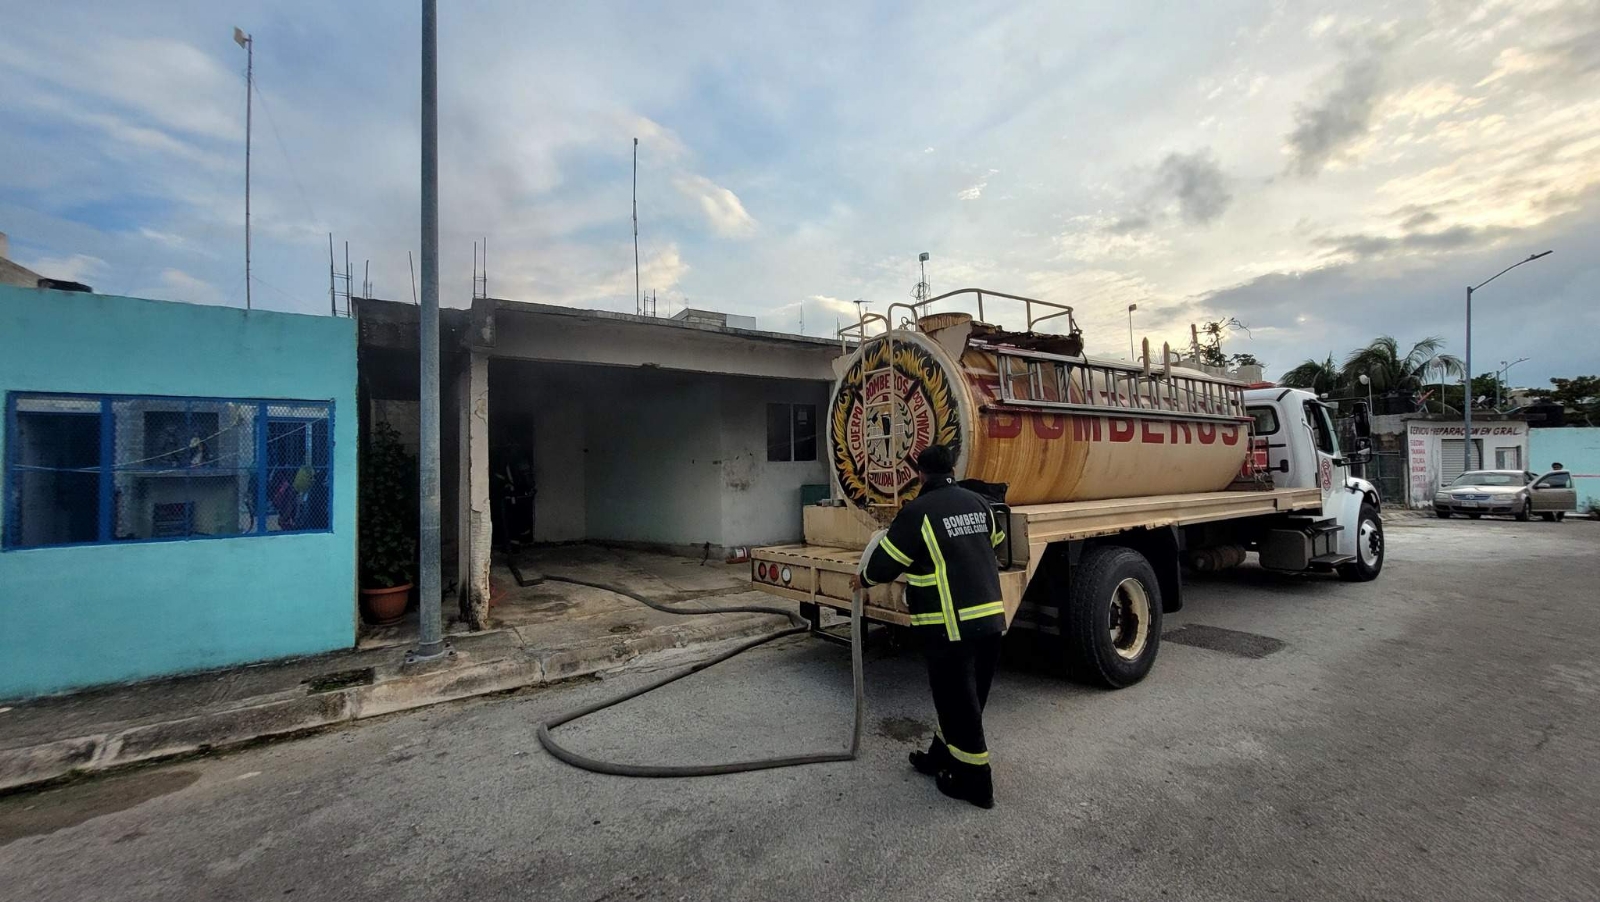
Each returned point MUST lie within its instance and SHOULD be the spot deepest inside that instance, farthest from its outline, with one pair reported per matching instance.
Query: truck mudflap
(820, 575)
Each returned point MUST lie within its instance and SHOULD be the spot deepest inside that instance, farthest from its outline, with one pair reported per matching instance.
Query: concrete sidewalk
(547, 633)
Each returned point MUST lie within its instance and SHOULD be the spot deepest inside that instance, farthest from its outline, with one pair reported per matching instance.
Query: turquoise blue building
(177, 488)
(1577, 449)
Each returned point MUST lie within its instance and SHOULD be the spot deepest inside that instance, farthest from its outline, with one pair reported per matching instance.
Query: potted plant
(388, 526)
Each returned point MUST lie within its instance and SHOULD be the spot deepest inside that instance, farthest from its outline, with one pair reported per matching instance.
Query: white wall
(655, 456)
(653, 467)
(1424, 451)
(537, 333)
(761, 498)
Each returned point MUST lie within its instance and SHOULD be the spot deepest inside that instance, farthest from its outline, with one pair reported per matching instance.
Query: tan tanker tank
(1053, 426)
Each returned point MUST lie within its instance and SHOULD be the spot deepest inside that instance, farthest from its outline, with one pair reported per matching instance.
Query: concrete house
(694, 433)
(178, 488)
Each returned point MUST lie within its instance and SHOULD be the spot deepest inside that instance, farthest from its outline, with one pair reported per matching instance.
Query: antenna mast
(638, 299)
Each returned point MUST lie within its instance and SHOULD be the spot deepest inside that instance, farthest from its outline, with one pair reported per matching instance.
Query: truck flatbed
(820, 573)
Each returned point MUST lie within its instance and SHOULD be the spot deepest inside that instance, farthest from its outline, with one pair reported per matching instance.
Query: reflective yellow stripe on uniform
(892, 551)
(921, 579)
(981, 759)
(983, 610)
(934, 619)
(942, 579)
(998, 537)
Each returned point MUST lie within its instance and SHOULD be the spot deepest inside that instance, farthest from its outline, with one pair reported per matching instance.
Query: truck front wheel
(1370, 548)
(1111, 626)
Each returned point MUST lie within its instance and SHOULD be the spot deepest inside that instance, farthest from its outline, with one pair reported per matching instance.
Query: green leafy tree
(388, 510)
(1381, 362)
(1320, 377)
(1580, 396)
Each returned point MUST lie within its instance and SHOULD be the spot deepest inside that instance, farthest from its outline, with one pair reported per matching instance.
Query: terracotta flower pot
(383, 606)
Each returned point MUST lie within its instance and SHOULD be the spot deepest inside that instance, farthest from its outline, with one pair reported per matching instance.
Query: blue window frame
(115, 469)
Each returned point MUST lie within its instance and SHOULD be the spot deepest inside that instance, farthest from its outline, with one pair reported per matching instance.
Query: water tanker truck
(1109, 477)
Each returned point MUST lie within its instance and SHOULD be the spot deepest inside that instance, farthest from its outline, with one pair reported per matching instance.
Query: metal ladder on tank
(1049, 381)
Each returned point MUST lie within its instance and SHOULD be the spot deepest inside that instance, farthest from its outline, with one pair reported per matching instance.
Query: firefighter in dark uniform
(943, 541)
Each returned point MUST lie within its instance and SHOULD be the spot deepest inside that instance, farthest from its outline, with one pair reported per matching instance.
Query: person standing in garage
(943, 541)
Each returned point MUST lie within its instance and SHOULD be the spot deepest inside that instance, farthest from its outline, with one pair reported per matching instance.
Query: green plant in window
(388, 511)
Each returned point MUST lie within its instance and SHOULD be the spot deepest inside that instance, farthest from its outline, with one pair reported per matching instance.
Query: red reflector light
(762, 570)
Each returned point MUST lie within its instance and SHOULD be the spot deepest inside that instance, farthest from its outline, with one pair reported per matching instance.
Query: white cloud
(72, 268)
(178, 285)
(722, 208)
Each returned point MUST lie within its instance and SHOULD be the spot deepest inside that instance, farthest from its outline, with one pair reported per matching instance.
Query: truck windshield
(1488, 479)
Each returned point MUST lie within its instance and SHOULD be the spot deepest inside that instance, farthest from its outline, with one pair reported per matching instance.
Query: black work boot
(935, 759)
(968, 783)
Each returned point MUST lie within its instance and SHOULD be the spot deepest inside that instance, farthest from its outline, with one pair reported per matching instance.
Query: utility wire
(282, 148)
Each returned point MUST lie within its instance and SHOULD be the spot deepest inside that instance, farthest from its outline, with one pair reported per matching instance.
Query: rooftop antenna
(366, 279)
(248, 43)
(480, 276)
(638, 299)
(339, 283)
(921, 292)
(413, 267)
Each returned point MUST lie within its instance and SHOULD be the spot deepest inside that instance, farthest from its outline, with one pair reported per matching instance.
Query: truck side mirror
(1363, 420)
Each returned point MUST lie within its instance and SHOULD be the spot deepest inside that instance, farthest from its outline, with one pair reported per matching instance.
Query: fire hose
(797, 625)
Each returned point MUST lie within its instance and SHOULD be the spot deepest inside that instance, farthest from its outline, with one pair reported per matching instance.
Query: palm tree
(1381, 362)
(1320, 378)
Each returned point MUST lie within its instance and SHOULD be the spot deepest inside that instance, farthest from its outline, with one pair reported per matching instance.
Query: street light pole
(1504, 371)
(430, 644)
(1131, 308)
(1466, 396)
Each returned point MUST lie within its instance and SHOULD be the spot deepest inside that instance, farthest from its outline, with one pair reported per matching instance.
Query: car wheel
(1369, 548)
(1443, 515)
(1473, 516)
(1561, 515)
(1548, 516)
(1526, 513)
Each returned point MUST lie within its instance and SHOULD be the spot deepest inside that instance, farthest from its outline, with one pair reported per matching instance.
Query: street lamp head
(1132, 307)
(1537, 256)
(1365, 379)
(922, 257)
(240, 38)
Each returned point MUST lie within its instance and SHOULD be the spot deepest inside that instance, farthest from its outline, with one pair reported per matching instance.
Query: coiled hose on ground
(799, 625)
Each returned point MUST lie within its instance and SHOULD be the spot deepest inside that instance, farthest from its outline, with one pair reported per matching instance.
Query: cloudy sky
(1322, 173)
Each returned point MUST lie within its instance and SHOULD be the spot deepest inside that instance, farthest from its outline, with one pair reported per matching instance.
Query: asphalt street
(1432, 735)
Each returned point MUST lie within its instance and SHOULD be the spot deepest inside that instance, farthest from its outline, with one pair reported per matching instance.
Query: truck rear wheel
(1369, 548)
(1111, 625)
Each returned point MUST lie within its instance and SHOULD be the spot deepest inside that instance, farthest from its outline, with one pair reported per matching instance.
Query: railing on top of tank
(1051, 310)
(1054, 309)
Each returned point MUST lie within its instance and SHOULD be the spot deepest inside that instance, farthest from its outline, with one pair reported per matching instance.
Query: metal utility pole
(1505, 370)
(638, 303)
(249, 45)
(430, 645)
(1466, 396)
(1131, 308)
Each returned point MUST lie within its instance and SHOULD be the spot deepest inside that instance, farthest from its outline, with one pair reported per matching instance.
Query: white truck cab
(1304, 451)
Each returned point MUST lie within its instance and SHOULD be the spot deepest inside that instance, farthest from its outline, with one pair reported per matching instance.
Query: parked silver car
(1515, 493)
